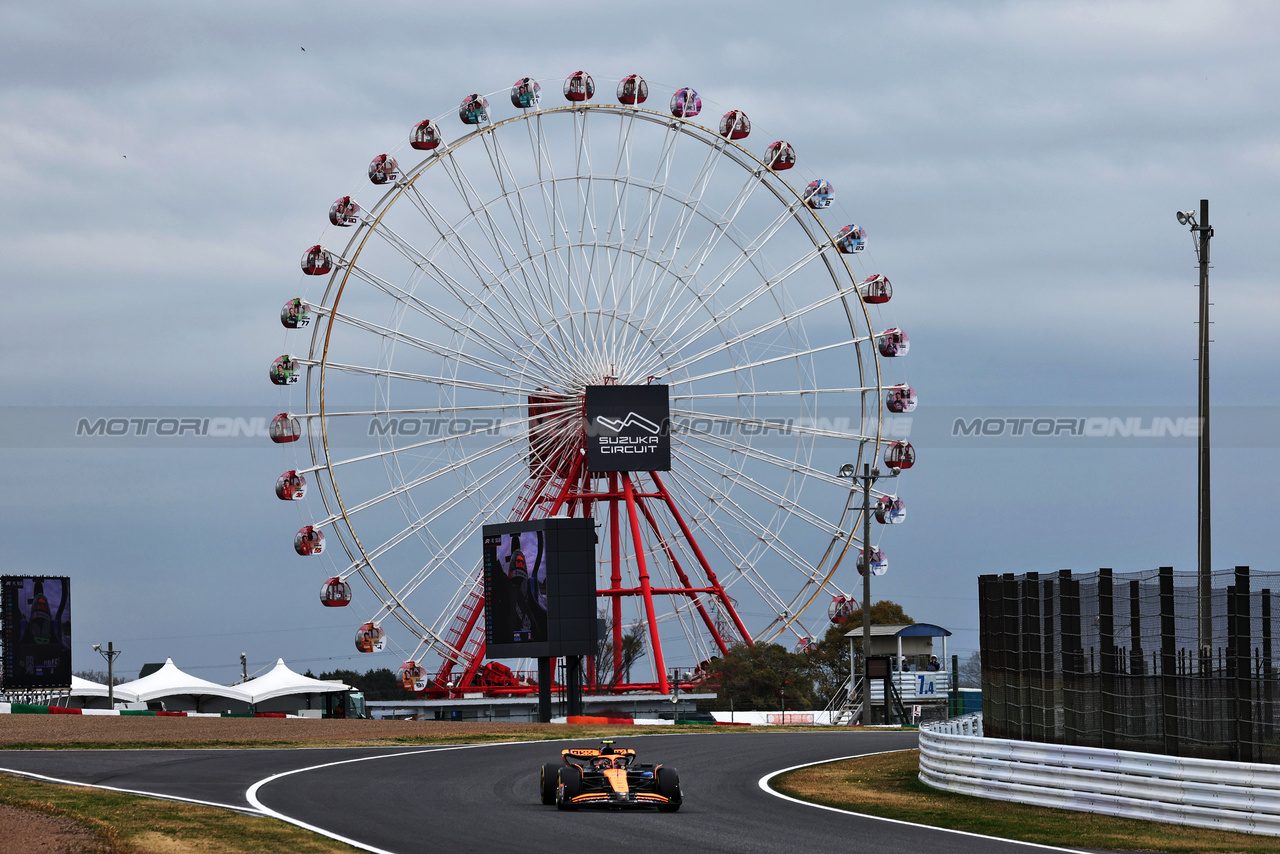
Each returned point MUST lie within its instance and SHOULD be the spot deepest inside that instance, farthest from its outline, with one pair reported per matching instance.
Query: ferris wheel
(475, 291)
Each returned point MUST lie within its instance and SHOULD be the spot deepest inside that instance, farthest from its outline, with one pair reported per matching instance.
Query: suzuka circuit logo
(633, 419)
(629, 428)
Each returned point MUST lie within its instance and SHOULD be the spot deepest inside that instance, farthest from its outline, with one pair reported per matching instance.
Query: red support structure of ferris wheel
(561, 484)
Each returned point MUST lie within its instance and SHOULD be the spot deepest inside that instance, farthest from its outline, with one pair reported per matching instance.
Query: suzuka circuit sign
(628, 428)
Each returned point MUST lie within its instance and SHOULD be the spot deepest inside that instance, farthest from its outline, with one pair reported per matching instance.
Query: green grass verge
(888, 785)
(127, 824)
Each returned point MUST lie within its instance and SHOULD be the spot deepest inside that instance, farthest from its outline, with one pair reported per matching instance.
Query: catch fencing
(1223, 795)
(1114, 661)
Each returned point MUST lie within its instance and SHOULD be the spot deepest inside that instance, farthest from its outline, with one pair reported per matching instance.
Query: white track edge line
(241, 809)
(764, 784)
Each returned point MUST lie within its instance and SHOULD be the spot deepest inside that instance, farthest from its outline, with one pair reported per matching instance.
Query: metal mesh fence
(1114, 660)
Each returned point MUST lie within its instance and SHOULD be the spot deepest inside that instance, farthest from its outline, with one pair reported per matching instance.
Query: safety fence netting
(1125, 661)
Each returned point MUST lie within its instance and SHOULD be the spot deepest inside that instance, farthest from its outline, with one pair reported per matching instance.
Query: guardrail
(1236, 796)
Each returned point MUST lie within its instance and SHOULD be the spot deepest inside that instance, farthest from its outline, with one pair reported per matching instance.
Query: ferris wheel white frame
(566, 344)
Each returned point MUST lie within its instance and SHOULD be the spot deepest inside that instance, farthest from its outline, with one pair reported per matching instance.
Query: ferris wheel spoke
(420, 525)
(451, 468)
(515, 353)
(786, 319)
(672, 322)
(742, 563)
(438, 440)
(430, 379)
(765, 536)
(776, 499)
(782, 463)
(450, 238)
(689, 214)
(514, 315)
(762, 425)
(501, 369)
(797, 355)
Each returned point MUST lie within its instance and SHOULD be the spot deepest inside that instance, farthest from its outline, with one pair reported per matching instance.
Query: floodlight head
(847, 470)
(895, 471)
(97, 647)
(1186, 218)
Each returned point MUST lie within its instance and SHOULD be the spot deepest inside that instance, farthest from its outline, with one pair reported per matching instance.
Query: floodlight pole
(110, 654)
(868, 477)
(1204, 552)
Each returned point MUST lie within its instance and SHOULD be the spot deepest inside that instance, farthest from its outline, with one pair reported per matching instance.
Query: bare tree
(632, 651)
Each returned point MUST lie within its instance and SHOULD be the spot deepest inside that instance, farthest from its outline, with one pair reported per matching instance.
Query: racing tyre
(669, 787)
(548, 783)
(570, 786)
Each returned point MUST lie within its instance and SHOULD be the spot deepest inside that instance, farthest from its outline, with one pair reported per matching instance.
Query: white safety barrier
(1237, 796)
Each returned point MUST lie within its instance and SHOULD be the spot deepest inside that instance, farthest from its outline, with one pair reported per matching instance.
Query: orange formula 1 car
(610, 777)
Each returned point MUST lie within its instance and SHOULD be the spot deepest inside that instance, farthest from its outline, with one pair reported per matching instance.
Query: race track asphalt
(484, 798)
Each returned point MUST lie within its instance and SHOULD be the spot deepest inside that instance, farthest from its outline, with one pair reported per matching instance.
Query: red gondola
(284, 428)
(412, 676)
(893, 342)
(633, 90)
(473, 110)
(344, 212)
(335, 593)
(780, 155)
(685, 103)
(384, 169)
(295, 314)
(579, 86)
(370, 637)
(890, 510)
(316, 261)
(735, 125)
(851, 239)
(876, 289)
(291, 486)
(900, 398)
(819, 194)
(900, 455)
(425, 136)
(308, 541)
(805, 645)
(841, 608)
(879, 563)
(285, 371)
(525, 93)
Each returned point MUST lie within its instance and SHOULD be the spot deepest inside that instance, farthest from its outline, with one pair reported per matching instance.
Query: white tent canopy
(85, 688)
(169, 681)
(280, 681)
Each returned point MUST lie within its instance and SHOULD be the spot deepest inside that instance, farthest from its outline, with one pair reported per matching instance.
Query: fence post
(1240, 651)
(1014, 709)
(1051, 683)
(1137, 661)
(1169, 679)
(1268, 670)
(1072, 656)
(1107, 656)
(1032, 694)
(991, 652)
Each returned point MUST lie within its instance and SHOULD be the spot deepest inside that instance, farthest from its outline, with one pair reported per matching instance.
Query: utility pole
(868, 477)
(110, 654)
(1202, 233)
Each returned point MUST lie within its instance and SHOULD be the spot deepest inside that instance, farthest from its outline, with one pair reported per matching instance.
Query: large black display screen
(540, 588)
(36, 613)
(628, 428)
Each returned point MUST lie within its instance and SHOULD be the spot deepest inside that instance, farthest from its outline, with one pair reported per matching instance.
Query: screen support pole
(544, 690)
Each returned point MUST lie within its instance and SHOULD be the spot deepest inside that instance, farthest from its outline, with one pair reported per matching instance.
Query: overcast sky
(1018, 165)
